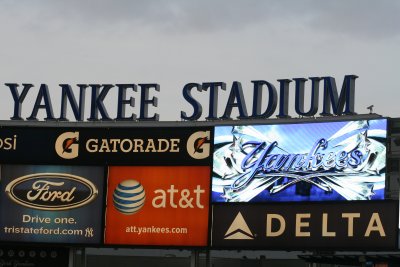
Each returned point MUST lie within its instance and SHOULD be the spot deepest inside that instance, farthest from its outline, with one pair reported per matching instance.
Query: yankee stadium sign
(335, 102)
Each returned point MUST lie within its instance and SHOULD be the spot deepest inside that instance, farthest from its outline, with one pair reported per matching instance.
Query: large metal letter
(18, 99)
(235, 94)
(299, 105)
(68, 95)
(338, 103)
(257, 98)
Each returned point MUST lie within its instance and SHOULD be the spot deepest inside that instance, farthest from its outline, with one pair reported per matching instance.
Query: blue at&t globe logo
(129, 197)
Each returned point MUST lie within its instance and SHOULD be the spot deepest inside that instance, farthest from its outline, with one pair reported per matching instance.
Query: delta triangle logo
(239, 229)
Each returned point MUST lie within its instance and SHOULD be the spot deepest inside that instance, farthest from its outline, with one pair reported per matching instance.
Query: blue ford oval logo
(51, 191)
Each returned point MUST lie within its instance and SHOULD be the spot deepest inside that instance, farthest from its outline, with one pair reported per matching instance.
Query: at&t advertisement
(158, 205)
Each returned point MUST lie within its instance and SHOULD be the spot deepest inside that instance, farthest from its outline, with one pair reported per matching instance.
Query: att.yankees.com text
(156, 230)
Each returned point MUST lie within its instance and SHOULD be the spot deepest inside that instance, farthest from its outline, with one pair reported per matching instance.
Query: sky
(176, 42)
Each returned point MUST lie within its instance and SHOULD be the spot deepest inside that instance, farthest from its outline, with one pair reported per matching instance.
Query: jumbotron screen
(321, 161)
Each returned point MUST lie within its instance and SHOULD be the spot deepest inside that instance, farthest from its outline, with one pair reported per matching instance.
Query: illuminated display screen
(325, 161)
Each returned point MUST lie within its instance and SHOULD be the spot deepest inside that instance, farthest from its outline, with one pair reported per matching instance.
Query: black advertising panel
(355, 225)
(181, 146)
(318, 161)
(51, 204)
(34, 256)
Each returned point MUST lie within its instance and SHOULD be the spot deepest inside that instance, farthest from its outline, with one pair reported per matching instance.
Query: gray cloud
(174, 42)
(365, 19)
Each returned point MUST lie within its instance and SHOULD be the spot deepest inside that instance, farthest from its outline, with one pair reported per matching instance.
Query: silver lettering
(41, 191)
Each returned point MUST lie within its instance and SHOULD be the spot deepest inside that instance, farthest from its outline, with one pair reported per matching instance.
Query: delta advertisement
(51, 204)
(158, 205)
(355, 225)
(188, 146)
(327, 161)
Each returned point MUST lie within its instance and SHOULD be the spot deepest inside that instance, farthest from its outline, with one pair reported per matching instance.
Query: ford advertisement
(51, 204)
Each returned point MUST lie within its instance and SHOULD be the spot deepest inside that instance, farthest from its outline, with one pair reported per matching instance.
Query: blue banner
(51, 204)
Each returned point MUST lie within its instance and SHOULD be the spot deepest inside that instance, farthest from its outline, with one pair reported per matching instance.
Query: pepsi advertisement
(321, 161)
(51, 204)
